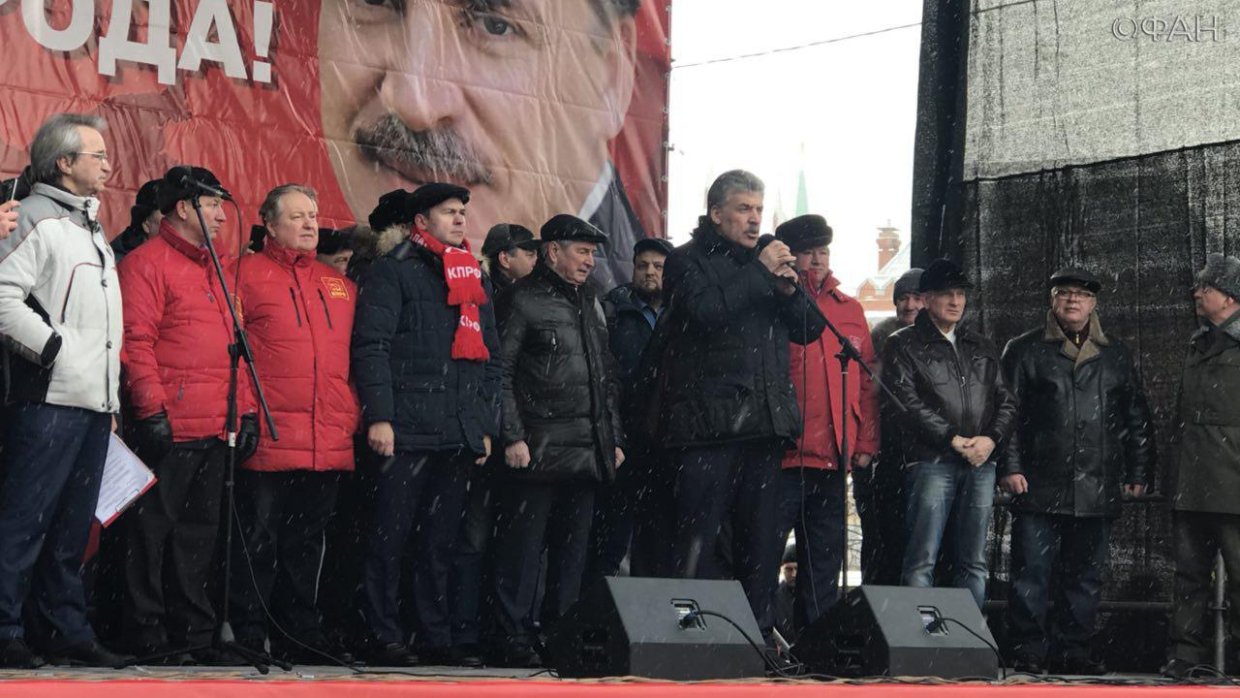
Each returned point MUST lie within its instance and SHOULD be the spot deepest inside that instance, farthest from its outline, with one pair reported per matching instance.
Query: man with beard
(562, 436)
(177, 335)
(726, 410)
(879, 493)
(624, 511)
(457, 91)
(426, 365)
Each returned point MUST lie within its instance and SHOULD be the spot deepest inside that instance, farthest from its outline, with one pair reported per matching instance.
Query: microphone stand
(848, 353)
(225, 641)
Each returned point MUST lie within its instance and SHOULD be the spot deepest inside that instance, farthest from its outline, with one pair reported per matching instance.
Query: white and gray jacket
(60, 304)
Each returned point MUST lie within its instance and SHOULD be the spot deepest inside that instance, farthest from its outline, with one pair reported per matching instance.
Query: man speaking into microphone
(726, 409)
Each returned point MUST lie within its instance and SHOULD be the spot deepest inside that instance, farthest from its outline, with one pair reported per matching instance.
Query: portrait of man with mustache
(515, 99)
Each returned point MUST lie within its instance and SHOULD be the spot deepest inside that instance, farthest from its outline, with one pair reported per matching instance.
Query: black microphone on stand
(185, 177)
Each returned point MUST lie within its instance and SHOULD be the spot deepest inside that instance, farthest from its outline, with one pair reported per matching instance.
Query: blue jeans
(941, 495)
(53, 460)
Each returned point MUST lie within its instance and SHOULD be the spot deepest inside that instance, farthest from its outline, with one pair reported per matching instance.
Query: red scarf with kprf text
(464, 278)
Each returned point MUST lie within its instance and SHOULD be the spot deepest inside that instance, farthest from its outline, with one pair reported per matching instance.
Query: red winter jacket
(822, 380)
(177, 332)
(299, 316)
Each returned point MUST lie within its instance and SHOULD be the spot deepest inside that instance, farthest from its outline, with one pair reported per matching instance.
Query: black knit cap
(172, 189)
(908, 283)
(1078, 276)
(392, 209)
(144, 204)
(428, 196)
(566, 228)
(941, 275)
(805, 232)
(659, 245)
(332, 241)
(506, 237)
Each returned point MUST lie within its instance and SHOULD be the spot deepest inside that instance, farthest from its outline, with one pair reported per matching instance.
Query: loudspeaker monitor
(900, 631)
(635, 626)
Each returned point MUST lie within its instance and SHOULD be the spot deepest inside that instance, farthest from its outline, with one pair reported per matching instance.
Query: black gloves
(151, 438)
(247, 437)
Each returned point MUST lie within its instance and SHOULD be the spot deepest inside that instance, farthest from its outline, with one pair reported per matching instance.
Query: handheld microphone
(765, 240)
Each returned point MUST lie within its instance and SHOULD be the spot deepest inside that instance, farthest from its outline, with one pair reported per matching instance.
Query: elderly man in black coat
(1083, 439)
(725, 409)
(426, 364)
(562, 435)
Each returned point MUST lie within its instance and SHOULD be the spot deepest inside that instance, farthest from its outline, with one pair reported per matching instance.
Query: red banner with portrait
(538, 106)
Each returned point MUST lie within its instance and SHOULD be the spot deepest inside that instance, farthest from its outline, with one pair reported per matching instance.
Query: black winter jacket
(628, 331)
(1083, 428)
(560, 393)
(717, 367)
(948, 392)
(402, 357)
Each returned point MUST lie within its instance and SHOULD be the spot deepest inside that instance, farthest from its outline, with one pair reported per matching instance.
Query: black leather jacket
(948, 392)
(1084, 428)
(560, 393)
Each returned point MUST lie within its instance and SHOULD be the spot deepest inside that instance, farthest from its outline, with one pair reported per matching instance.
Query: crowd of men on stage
(518, 435)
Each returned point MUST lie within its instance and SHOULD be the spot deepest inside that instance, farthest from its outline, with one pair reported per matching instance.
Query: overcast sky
(843, 111)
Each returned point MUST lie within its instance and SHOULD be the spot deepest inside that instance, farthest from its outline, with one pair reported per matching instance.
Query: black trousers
(535, 516)
(425, 489)
(737, 482)
(172, 537)
(341, 592)
(471, 582)
(280, 546)
(879, 494)
(1059, 558)
(1198, 538)
(633, 518)
(812, 504)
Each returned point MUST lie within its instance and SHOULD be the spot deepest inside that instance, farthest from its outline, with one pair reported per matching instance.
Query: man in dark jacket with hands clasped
(959, 412)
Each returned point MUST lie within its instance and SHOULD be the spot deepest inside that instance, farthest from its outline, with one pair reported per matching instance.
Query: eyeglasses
(101, 156)
(1071, 294)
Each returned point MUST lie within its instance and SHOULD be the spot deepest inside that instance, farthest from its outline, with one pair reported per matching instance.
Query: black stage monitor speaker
(635, 626)
(900, 631)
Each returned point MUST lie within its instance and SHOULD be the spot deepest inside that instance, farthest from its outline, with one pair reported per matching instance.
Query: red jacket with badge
(299, 316)
(177, 332)
(816, 375)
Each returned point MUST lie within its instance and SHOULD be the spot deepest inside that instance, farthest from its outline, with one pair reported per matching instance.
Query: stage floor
(443, 682)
